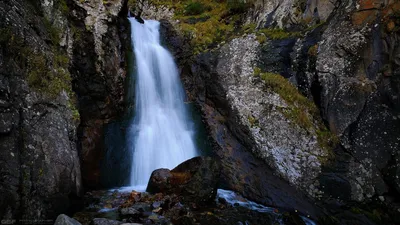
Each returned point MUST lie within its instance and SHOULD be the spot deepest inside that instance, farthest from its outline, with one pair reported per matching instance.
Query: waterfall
(161, 134)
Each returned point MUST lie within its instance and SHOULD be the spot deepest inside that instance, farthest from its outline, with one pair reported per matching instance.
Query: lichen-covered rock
(359, 89)
(273, 137)
(39, 161)
(147, 10)
(49, 49)
(289, 13)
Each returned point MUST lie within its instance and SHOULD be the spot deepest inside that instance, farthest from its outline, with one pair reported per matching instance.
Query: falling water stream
(161, 134)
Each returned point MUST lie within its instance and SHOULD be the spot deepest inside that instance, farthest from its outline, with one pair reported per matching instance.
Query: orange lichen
(368, 11)
(363, 17)
(180, 177)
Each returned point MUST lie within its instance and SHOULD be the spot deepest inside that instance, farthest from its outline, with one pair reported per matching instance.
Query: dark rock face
(48, 50)
(195, 180)
(39, 164)
(98, 68)
(359, 89)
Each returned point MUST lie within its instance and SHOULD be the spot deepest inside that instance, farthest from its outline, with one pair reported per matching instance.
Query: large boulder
(195, 180)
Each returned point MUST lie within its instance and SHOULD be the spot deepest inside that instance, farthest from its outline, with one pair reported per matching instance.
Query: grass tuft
(302, 111)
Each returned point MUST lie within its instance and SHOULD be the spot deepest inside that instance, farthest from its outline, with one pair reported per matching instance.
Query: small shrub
(54, 33)
(196, 8)
(239, 6)
(261, 38)
(278, 34)
(253, 121)
(313, 50)
(62, 6)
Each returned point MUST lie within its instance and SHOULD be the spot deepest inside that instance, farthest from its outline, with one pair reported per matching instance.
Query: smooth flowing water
(161, 134)
(235, 199)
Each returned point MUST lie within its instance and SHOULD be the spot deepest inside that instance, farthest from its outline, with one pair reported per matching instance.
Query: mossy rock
(301, 111)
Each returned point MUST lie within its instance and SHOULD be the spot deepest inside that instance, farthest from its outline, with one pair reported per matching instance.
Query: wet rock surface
(99, 71)
(65, 220)
(169, 209)
(195, 180)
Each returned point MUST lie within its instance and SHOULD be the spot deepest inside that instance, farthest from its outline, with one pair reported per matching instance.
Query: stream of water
(161, 134)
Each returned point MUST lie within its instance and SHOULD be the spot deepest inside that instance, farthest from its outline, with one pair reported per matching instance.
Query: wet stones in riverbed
(63, 219)
(129, 211)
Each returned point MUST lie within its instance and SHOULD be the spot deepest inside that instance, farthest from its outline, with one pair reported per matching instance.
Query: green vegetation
(301, 110)
(376, 215)
(49, 77)
(47, 72)
(253, 121)
(239, 6)
(208, 22)
(54, 32)
(313, 50)
(204, 22)
(277, 34)
(196, 8)
(62, 6)
(328, 220)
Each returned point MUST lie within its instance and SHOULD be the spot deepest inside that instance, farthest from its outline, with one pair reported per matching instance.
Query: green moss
(40, 172)
(76, 32)
(376, 215)
(74, 110)
(202, 34)
(14, 47)
(300, 6)
(249, 28)
(5, 35)
(261, 38)
(277, 34)
(313, 50)
(49, 77)
(300, 110)
(196, 8)
(253, 121)
(239, 6)
(62, 6)
(54, 32)
(328, 220)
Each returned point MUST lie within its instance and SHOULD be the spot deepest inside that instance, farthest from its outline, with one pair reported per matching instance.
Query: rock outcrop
(98, 68)
(358, 76)
(342, 141)
(61, 68)
(40, 170)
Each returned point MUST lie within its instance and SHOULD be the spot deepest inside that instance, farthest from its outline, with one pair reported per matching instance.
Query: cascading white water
(160, 136)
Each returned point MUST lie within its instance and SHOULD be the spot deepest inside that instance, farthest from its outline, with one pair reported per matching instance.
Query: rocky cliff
(62, 75)
(310, 88)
